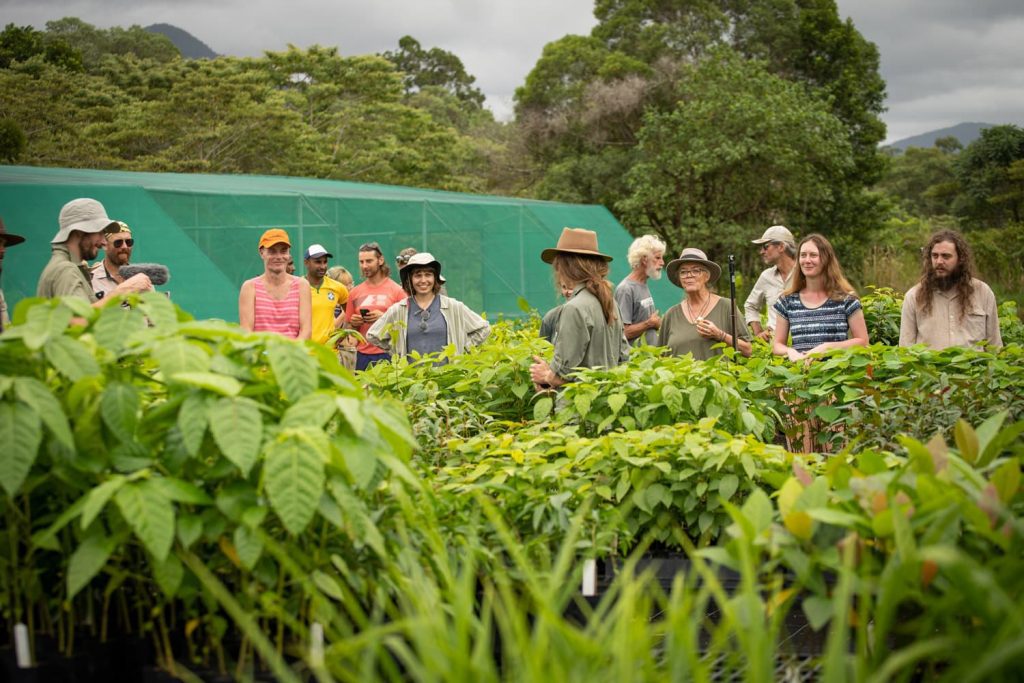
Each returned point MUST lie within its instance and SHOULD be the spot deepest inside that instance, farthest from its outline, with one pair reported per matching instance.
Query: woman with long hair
(819, 308)
(589, 332)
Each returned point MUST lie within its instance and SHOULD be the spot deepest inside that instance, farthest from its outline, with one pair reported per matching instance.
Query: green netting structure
(205, 229)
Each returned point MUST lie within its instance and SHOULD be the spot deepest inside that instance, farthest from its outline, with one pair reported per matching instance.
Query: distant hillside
(188, 45)
(966, 133)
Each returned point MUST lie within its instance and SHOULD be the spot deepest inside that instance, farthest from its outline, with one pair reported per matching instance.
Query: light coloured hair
(647, 245)
(341, 274)
(836, 284)
(592, 273)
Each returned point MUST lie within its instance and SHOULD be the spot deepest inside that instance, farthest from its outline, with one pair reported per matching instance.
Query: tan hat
(691, 255)
(83, 214)
(574, 241)
(9, 238)
(422, 259)
(777, 233)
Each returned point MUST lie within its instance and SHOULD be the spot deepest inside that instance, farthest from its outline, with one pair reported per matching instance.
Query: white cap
(777, 233)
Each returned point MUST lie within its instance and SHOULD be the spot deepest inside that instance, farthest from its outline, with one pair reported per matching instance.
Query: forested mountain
(965, 134)
(188, 45)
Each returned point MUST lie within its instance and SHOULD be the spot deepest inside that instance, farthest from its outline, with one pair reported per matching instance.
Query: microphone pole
(732, 297)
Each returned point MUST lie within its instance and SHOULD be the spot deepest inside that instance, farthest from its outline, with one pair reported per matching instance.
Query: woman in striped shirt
(276, 301)
(819, 308)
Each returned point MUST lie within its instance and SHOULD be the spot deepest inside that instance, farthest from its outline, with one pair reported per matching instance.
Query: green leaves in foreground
(294, 472)
(20, 434)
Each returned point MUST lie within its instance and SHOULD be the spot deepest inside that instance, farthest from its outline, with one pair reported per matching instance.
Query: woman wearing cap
(819, 308)
(430, 320)
(703, 319)
(589, 332)
(276, 301)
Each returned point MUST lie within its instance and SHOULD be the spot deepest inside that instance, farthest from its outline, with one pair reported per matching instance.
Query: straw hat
(574, 241)
(692, 255)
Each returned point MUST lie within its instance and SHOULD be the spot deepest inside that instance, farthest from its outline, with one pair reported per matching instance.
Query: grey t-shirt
(636, 305)
(427, 331)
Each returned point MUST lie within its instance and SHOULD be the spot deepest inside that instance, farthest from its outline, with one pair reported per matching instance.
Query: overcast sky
(945, 61)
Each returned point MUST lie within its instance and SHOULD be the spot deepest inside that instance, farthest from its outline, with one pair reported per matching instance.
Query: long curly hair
(961, 279)
(836, 284)
(591, 272)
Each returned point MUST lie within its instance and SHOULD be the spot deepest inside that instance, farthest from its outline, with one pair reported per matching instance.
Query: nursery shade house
(204, 228)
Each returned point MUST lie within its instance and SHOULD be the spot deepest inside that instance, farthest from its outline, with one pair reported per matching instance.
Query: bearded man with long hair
(949, 306)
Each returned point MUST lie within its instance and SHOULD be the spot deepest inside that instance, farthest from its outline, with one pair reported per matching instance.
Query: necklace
(700, 316)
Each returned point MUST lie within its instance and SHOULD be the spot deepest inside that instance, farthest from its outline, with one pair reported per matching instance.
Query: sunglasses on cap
(371, 246)
(118, 243)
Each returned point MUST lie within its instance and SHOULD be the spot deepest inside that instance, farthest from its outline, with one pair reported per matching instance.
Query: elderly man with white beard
(640, 318)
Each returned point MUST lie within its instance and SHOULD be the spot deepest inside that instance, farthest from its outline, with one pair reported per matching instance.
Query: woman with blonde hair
(589, 332)
(819, 308)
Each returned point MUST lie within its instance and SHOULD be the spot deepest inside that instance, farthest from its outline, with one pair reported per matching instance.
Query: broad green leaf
(71, 358)
(827, 414)
(168, 574)
(696, 398)
(727, 486)
(180, 491)
(38, 397)
(115, 325)
(293, 367)
(1006, 479)
(799, 523)
(293, 474)
(817, 610)
(192, 419)
(87, 560)
(119, 406)
(150, 515)
(312, 410)
(758, 510)
(542, 408)
(352, 410)
(158, 309)
(237, 427)
(98, 498)
(176, 355)
(837, 517)
(190, 528)
(615, 402)
(21, 432)
(44, 322)
(989, 437)
(329, 585)
(966, 441)
(248, 546)
(364, 530)
(673, 398)
(391, 420)
(582, 404)
(219, 384)
(360, 459)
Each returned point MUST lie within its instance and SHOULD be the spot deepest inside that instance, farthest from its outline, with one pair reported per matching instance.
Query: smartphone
(364, 312)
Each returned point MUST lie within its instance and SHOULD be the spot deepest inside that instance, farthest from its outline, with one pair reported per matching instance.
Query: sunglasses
(371, 246)
(424, 316)
(120, 243)
(766, 245)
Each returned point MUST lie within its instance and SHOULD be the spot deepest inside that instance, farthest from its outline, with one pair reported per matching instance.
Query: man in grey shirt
(640, 318)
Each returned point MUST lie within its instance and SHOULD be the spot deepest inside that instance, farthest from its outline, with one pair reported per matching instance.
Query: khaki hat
(423, 259)
(691, 255)
(777, 233)
(574, 241)
(9, 238)
(274, 236)
(83, 214)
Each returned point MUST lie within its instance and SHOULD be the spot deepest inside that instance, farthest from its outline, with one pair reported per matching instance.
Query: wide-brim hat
(574, 241)
(692, 255)
(82, 214)
(9, 238)
(776, 233)
(422, 259)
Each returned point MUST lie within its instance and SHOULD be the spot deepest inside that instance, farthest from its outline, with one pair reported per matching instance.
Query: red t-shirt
(378, 297)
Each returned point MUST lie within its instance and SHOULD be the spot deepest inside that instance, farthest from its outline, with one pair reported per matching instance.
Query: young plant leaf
(294, 369)
(293, 473)
(21, 432)
(192, 421)
(237, 427)
(150, 515)
(39, 397)
(168, 574)
(119, 406)
(87, 560)
(97, 499)
(71, 358)
(176, 355)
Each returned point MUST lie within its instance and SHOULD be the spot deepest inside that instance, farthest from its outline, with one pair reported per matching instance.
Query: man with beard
(117, 247)
(329, 296)
(949, 306)
(369, 300)
(79, 239)
(640, 318)
(7, 239)
(778, 252)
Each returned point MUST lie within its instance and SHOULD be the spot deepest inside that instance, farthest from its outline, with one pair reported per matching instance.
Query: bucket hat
(82, 214)
(422, 259)
(574, 241)
(692, 255)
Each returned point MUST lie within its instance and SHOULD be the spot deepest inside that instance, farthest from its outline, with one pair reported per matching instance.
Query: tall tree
(991, 173)
(422, 68)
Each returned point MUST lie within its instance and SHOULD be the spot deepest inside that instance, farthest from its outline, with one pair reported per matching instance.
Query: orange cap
(274, 236)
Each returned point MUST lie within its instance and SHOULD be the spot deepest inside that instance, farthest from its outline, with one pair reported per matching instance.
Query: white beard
(653, 273)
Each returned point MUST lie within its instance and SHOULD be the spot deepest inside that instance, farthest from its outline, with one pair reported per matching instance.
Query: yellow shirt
(328, 301)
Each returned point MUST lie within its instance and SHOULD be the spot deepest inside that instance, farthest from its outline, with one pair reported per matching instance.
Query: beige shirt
(943, 327)
(102, 280)
(766, 292)
(63, 277)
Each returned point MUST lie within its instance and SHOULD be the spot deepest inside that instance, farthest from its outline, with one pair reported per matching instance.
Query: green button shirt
(583, 338)
(64, 277)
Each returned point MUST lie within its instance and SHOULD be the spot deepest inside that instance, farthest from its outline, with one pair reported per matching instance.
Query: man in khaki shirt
(117, 247)
(778, 251)
(949, 306)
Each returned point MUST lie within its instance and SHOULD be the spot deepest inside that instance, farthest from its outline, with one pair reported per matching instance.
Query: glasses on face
(371, 246)
(690, 273)
(120, 243)
(766, 245)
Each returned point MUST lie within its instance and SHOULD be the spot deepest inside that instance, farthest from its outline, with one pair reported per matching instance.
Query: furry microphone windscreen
(158, 273)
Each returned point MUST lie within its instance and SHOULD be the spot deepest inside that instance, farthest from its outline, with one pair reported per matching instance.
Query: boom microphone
(158, 273)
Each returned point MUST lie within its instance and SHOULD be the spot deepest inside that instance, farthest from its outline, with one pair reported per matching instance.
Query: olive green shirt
(681, 336)
(64, 277)
(584, 340)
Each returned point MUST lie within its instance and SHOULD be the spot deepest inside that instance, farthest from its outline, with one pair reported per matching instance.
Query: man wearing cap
(7, 239)
(329, 296)
(640, 318)
(778, 250)
(368, 301)
(117, 249)
(80, 238)
(276, 301)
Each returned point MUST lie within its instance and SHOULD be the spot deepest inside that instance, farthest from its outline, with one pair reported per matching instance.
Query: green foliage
(991, 171)
(433, 68)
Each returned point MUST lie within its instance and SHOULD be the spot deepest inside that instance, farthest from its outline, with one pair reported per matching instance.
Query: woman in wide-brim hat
(589, 332)
(702, 319)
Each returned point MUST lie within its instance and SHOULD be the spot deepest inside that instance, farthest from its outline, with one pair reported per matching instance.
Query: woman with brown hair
(589, 332)
(819, 308)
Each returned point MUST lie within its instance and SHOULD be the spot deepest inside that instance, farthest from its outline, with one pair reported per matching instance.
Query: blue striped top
(829, 322)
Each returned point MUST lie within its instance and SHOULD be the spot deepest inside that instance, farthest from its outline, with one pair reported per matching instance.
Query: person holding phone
(368, 301)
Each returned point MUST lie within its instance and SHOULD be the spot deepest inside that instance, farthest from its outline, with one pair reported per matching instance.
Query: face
(90, 245)
(276, 257)
(422, 280)
(370, 263)
(944, 259)
(317, 267)
(655, 263)
(693, 278)
(772, 251)
(119, 255)
(810, 259)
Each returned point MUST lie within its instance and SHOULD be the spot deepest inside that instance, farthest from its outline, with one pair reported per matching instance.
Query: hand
(794, 355)
(766, 335)
(540, 373)
(373, 316)
(654, 322)
(708, 329)
(139, 282)
(356, 321)
(820, 348)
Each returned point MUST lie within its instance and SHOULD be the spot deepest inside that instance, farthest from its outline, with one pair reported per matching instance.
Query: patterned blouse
(829, 322)
(273, 315)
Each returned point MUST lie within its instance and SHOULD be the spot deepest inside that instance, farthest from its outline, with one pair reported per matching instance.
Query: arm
(858, 335)
(355, 321)
(339, 321)
(137, 283)
(710, 330)
(247, 306)
(635, 330)
(779, 347)
(992, 332)
(908, 320)
(476, 328)
(752, 310)
(305, 311)
(377, 335)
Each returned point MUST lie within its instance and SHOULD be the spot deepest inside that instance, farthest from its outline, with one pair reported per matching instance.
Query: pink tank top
(272, 315)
